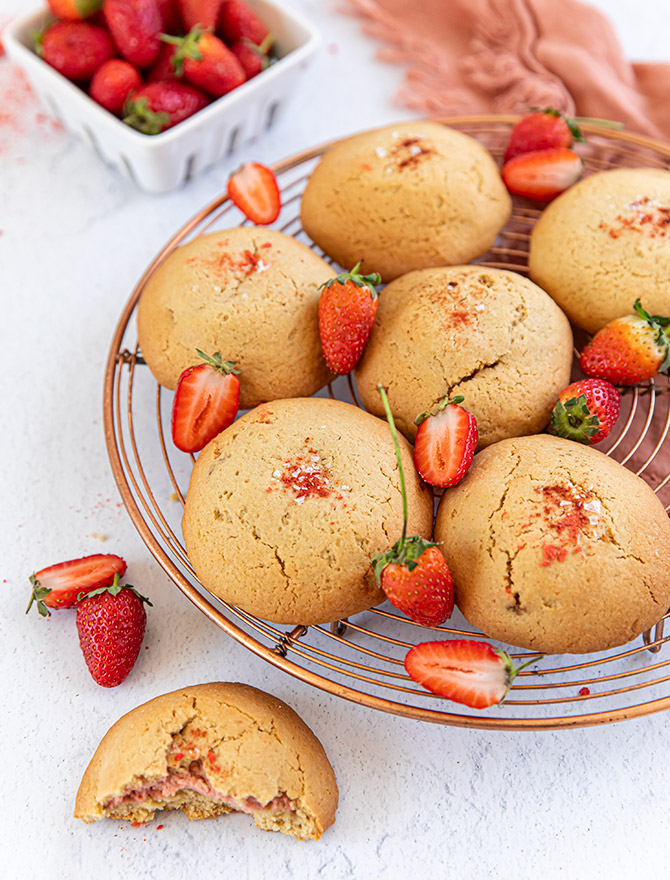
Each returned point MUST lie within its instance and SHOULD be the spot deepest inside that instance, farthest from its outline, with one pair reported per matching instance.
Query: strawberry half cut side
(253, 188)
(445, 443)
(465, 671)
(205, 403)
(60, 585)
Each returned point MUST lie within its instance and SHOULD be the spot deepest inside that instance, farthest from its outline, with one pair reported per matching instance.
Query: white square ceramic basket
(162, 162)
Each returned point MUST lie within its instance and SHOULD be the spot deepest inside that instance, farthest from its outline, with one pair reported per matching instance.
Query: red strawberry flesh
(444, 445)
(253, 188)
(205, 403)
(66, 580)
(463, 670)
(542, 175)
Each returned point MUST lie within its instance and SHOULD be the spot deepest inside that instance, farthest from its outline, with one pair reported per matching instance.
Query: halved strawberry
(253, 188)
(542, 175)
(205, 402)
(463, 670)
(445, 443)
(58, 586)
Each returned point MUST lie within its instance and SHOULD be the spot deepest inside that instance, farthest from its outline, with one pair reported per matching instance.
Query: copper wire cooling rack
(361, 659)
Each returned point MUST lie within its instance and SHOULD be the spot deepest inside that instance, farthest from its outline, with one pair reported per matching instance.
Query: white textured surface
(457, 803)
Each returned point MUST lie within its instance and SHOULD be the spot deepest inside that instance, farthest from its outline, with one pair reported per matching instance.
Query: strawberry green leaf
(218, 363)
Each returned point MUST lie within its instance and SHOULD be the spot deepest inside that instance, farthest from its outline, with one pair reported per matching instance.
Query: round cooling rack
(361, 659)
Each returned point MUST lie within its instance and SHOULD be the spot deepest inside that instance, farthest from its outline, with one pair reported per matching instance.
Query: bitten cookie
(286, 509)
(603, 243)
(405, 197)
(212, 749)
(250, 293)
(487, 334)
(555, 547)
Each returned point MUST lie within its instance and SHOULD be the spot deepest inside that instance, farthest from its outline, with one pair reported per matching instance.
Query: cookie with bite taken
(208, 750)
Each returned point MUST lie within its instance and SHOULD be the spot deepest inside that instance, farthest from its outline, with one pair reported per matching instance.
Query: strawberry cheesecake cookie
(287, 507)
(604, 243)
(487, 334)
(211, 749)
(251, 294)
(405, 197)
(555, 547)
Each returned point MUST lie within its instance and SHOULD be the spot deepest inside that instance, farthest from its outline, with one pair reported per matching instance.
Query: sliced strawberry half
(58, 586)
(543, 174)
(253, 188)
(205, 403)
(463, 670)
(445, 443)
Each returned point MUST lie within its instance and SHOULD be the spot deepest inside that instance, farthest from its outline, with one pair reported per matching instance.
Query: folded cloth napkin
(504, 56)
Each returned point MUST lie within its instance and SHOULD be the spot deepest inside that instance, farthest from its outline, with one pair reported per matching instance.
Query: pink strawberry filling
(195, 780)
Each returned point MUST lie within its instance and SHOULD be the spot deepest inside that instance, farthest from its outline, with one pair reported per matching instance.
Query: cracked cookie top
(286, 509)
(555, 547)
(603, 243)
(405, 197)
(222, 741)
(488, 334)
(250, 293)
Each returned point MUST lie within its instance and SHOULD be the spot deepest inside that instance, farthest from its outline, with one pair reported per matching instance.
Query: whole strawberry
(113, 82)
(202, 12)
(347, 309)
(111, 624)
(629, 350)
(61, 585)
(74, 9)
(237, 21)
(254, 59)
(542, 130)
(413, 574)
(135, 26)
(170, 18)
(445, 443)
(206, 62)
(74, 48)
(586, 411)
(464, 670)
(160, 105)
(163, 69)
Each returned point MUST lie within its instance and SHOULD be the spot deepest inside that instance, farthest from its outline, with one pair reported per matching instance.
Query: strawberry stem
(396, 445)
(511, 671)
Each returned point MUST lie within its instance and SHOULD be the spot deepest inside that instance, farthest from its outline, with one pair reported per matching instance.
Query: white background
(414, 797)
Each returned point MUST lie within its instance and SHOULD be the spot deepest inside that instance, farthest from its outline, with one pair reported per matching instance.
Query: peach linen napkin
(503, 56)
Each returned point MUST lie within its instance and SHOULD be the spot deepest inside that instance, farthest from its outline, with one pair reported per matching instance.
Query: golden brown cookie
(250, 293)
(603, 243)
(403, 197)
(555, 547)
(211, 749)
(488, 334)
(286, 509)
